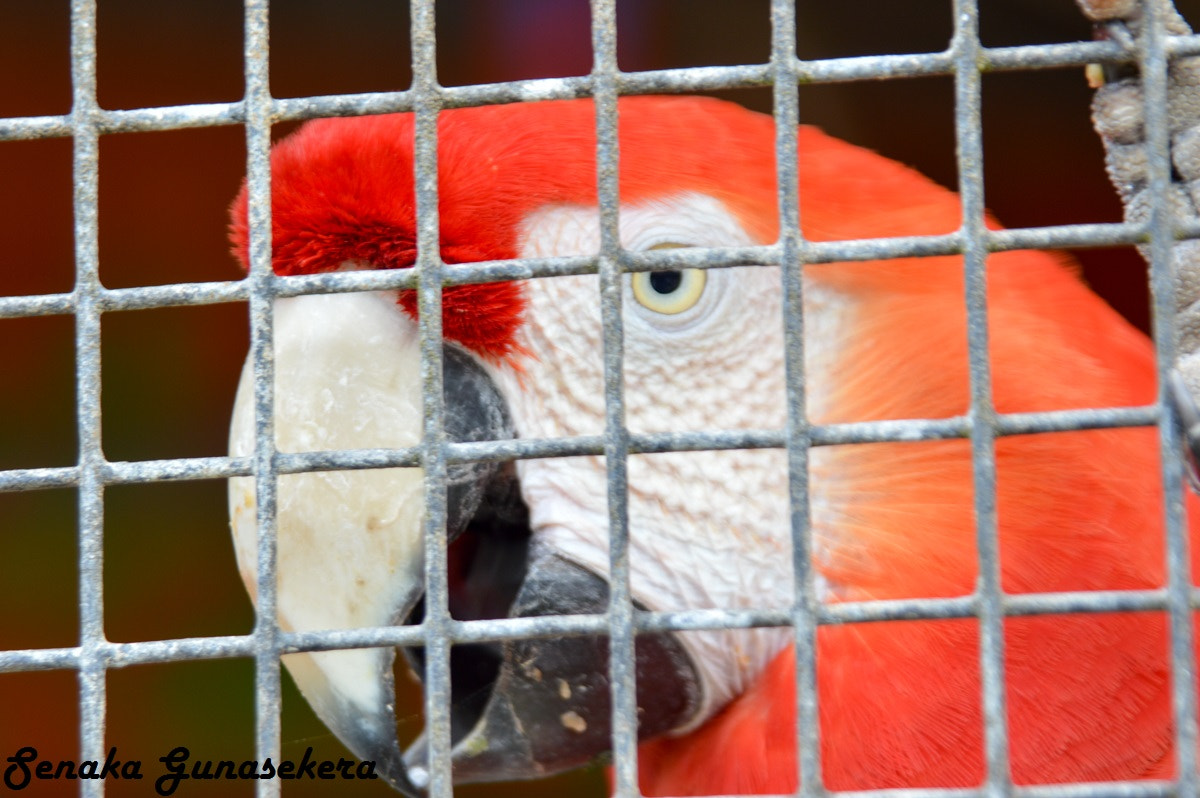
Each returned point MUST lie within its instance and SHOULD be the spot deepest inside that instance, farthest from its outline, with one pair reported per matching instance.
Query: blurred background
(169, 375)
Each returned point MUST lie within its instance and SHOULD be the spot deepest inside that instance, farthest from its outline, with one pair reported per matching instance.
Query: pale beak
(350, 548)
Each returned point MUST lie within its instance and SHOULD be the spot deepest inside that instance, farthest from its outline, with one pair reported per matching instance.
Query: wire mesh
(965, 61)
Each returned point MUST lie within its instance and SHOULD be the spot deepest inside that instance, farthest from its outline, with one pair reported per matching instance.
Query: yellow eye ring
(669, 292)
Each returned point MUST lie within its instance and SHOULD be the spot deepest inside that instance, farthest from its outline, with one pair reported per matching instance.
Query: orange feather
(900, 702)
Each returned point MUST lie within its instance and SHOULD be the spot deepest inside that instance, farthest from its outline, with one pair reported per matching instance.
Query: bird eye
(669, 292)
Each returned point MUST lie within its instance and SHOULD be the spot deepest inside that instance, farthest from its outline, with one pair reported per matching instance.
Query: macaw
(1089, 695)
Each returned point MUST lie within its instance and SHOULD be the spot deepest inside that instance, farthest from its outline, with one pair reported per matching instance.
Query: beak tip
(406, 781)
(350, 690)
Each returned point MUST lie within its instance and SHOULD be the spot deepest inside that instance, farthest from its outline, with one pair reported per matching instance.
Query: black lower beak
(550, 706)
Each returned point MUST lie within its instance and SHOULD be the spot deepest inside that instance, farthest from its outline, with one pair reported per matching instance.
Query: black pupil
(665, 282)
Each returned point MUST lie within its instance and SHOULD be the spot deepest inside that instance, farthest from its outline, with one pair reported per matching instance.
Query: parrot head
(704, 350)
(524, 359)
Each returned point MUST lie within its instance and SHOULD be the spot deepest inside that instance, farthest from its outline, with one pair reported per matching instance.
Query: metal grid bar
(426, 105)
(689, 79)
(93, 703)
(260, 289)
(1152, 63)
(806, 605)
(966, 60)
(1075, 236)
(969, 136)
(144, 471)
(118, 655)
(622, 673)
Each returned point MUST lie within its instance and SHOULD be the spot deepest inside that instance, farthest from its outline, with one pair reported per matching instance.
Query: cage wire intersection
(965, 60)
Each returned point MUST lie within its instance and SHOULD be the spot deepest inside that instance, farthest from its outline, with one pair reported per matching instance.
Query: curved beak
(350, 554)
(350, 550)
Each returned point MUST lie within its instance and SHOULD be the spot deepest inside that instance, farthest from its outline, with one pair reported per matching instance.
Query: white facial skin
(707, 529)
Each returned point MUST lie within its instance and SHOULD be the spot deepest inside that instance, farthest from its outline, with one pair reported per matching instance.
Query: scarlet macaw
(1088, 694)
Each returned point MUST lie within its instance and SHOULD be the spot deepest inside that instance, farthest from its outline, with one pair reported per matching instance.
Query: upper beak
(351, 555)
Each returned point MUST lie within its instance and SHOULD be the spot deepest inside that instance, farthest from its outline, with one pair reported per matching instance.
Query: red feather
(342, 190)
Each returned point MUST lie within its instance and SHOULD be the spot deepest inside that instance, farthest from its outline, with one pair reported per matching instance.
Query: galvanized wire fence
(965, 60)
